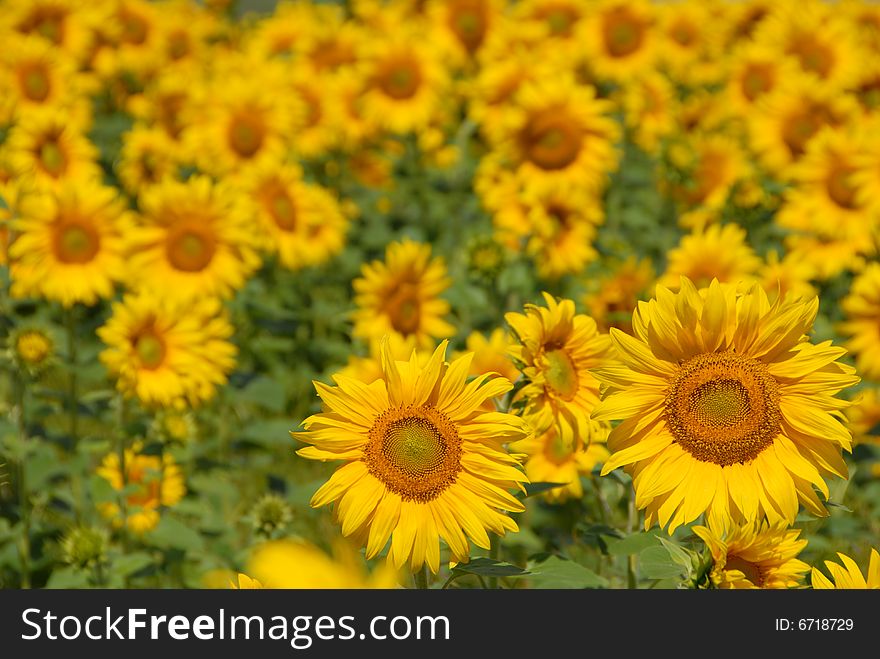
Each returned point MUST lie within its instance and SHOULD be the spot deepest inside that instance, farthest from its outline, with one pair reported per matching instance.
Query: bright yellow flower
(718, 252)
(620, 40)
(790, 274)
(613, 295)
(492, 354)
(70, 244)
(196, 238)
(861, 308)
(726, 408)
(295, 563)
(151, 483)
(848, 576)
(558, 349)
(401, 295)
(650, 107)
(166, 353)
(423, 461)
(147, 157)
(864, 417)
(754, 556)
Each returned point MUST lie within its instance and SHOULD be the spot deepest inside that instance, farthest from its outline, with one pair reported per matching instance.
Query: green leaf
(264, 392)
(172, 533)
(68, 577)
(556, 572)
(632, 544)
(676, 553)
(131, 563)
(657, 563)
(271, 432)
(486, 567)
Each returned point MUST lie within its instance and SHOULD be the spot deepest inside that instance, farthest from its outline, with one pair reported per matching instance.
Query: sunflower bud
(85, 547)
(271, 514)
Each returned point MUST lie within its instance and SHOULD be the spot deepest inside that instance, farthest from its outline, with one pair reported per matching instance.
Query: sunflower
(369, 369)
(295, 563)
(754, 556)
(400, 295)
(827, 184)
(168, 354)
(861, 308)
(650, 107)
(817, 38)
(423, 460)
(320, 128)
(468, 24)
(717, 252)
(756, 71)
(613, 295)
(303, 222)
(864, 417)
(196, 238)
(550, 460)
(491, 354)
(557, 350)
(32, 348)
(136, 42)
(406, 82)
(69, 244)
(557, 135)
(786, 119)
(47, 147)
(241, 582)
(151, 482)
(38, 76)
(827, 252)
(689, 35)
(63, 24)
(620, 39)
(726, 408)
(790, 274)
(848, 576)
(147, 157)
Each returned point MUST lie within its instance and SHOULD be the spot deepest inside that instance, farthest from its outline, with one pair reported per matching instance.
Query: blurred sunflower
(864, 417)
(848, 576)
(557, 350)
(717, 252)
(38, 77)
(69, 244)
(650, 106)
(423, 460)
(151, 482)
(303, 221)
(613, 295)
(295, 563)
(148, 156)
(726, 408)
(827, 251)
(754, 556)
(790, 274)
(400, 295)
(861, 308)
(196, 238)
(620, 39)
(550, 460)
(63, 24)
(468, 23)
(165, 353)
(755, 71)
(491, 354)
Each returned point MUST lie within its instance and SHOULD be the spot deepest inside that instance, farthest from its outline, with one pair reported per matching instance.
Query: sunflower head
(847, 575)
(33, 349)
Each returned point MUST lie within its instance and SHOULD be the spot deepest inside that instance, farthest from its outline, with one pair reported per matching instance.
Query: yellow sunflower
(650, 108)
(755, 71)
(423, 461)
(620, 39)
(613, 295)
(196, 238)
(401, 295)
(165, 353)
(63, 24)
(303, 222)
(557, 135)
(491, 354)
(848, 576)
(557, 350)
(48, 148)
(69, 244)
(467, 23)
(148, 156)
(754, 556)
(790, 274)
(38, 77)
(717, 252)
(864, 417)
(406, 82)
(688, 42)
(861, 308)
(827, 252)
(726, 408)
(295, 563)
(151, 482)
(550, 460)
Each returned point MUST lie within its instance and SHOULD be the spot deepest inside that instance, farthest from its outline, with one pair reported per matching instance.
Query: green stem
(73, 402)
(121, 440)
(632, 579)
(420, 577)
(23, 497)
(495, 555)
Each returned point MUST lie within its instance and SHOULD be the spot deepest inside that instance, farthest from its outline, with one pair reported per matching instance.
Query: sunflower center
(283, 211)
(623, 33)
(35, 83)
(190, 250)
(552, 140)
(150, 349)
(560, 19)
(178, 45)
(752, 572)
(400, 78)
(561, 373)
(134, 28)
(48, 22)
(404, 309)
(683, 33)
(813, 55)
(467, 20)
(415, 451)
(723, 408)
(52, 158)
(246, 135)
(757, 80)
(556, 450)
(147, 479)
(76, 242)
(840, 187)
(801, 127)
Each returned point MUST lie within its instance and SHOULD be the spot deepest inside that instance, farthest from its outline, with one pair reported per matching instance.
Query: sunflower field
(440, 294)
